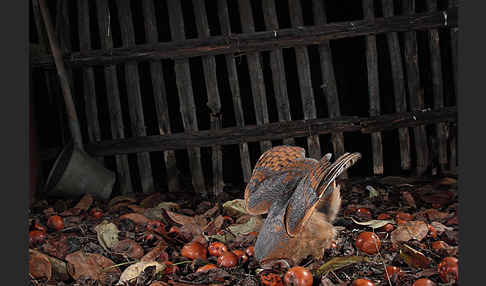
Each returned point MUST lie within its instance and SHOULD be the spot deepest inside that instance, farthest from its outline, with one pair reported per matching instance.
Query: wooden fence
(131, 63)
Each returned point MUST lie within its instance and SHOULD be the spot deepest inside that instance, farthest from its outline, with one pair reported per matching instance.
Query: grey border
(14, 156)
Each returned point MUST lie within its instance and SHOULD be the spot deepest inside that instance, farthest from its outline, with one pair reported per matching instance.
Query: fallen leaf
(129, 248)
(156, 252)
(434, 214)
(440, 228)
(447, 181)
(413, 257)
(181, 219)
(453, 221)
(211, 212)
(136, 209)
(136, 218)
(373, 192)
(375, 223)
(410, 230)
(119, 199)
(339, 262)
(134, 270)
(168, 206)
(214, 226)
(39, 265)
(409, 199)
(235, 208)
(85, 203)
(437, 197)
(253, 224)
(91, 265)
(56, 246)
(107, 233)
(151, 201)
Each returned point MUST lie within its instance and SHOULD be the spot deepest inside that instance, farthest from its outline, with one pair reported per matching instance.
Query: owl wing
(316, 185)
(276, 174)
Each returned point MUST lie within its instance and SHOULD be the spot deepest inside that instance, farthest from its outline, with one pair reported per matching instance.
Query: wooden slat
(214, 103)
(415, 96)
(437, 86)
(398, 85)
(373, 89)
(278, 68)
(256, 72)
(224, 21)
(89, 90)
(113, 96)
(273, 131)
(453, 129)
(328, 80)
(186, 97)
(305, 81)
(258, 41)
(160, 94)
(135, 106)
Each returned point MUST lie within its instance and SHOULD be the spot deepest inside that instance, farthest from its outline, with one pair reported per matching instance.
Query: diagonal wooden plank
(278, 68)
(89, 90)
(373, 88)
(415, 96)
(186, 97)
(224, 21)
(256, 72)
(328, 80)
(214, 103)
(437, 86)
(305, 82)
(398, 85)
(160, 94)
(113, 96)
(134, 95)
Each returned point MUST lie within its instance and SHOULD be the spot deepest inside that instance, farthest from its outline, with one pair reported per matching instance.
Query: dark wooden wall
(192, 92)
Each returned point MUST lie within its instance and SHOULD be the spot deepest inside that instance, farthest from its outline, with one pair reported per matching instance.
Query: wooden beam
(249, 42)
(224, 21)
(373, 89)
(272, 131)
(399, 92)
(113, 97)
(214, 102)
(160, 95)
(305, 81)
(135, 105)
(186, 96)
(415, 94)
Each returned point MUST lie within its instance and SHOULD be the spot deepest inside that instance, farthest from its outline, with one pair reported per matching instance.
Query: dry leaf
(434, 214)
(151, 201)
(136, 209)
(119, 199)
(413, 257)
(56, 246)
(129, 248)
(339, 262)
(155, 253)
(375, 223)
(39, 265)
(107, 234)
(136, 218)
(134, 270)
(410, 230)
(91, 265)
(409, 199)
(85, 203)
(168, 206)
(235, 208)
(440, 228)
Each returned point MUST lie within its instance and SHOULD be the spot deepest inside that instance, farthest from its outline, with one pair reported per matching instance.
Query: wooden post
(214, 103)
(398, 85)
(328, 80)
(437, 86)
(134, 96)
(256, 73)
(224, 21)
(415, 95)
(186, 97)
(305, 82)
(160, 95)
(89, 90)
(113, 96)
(278, 68)
(373, 89)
